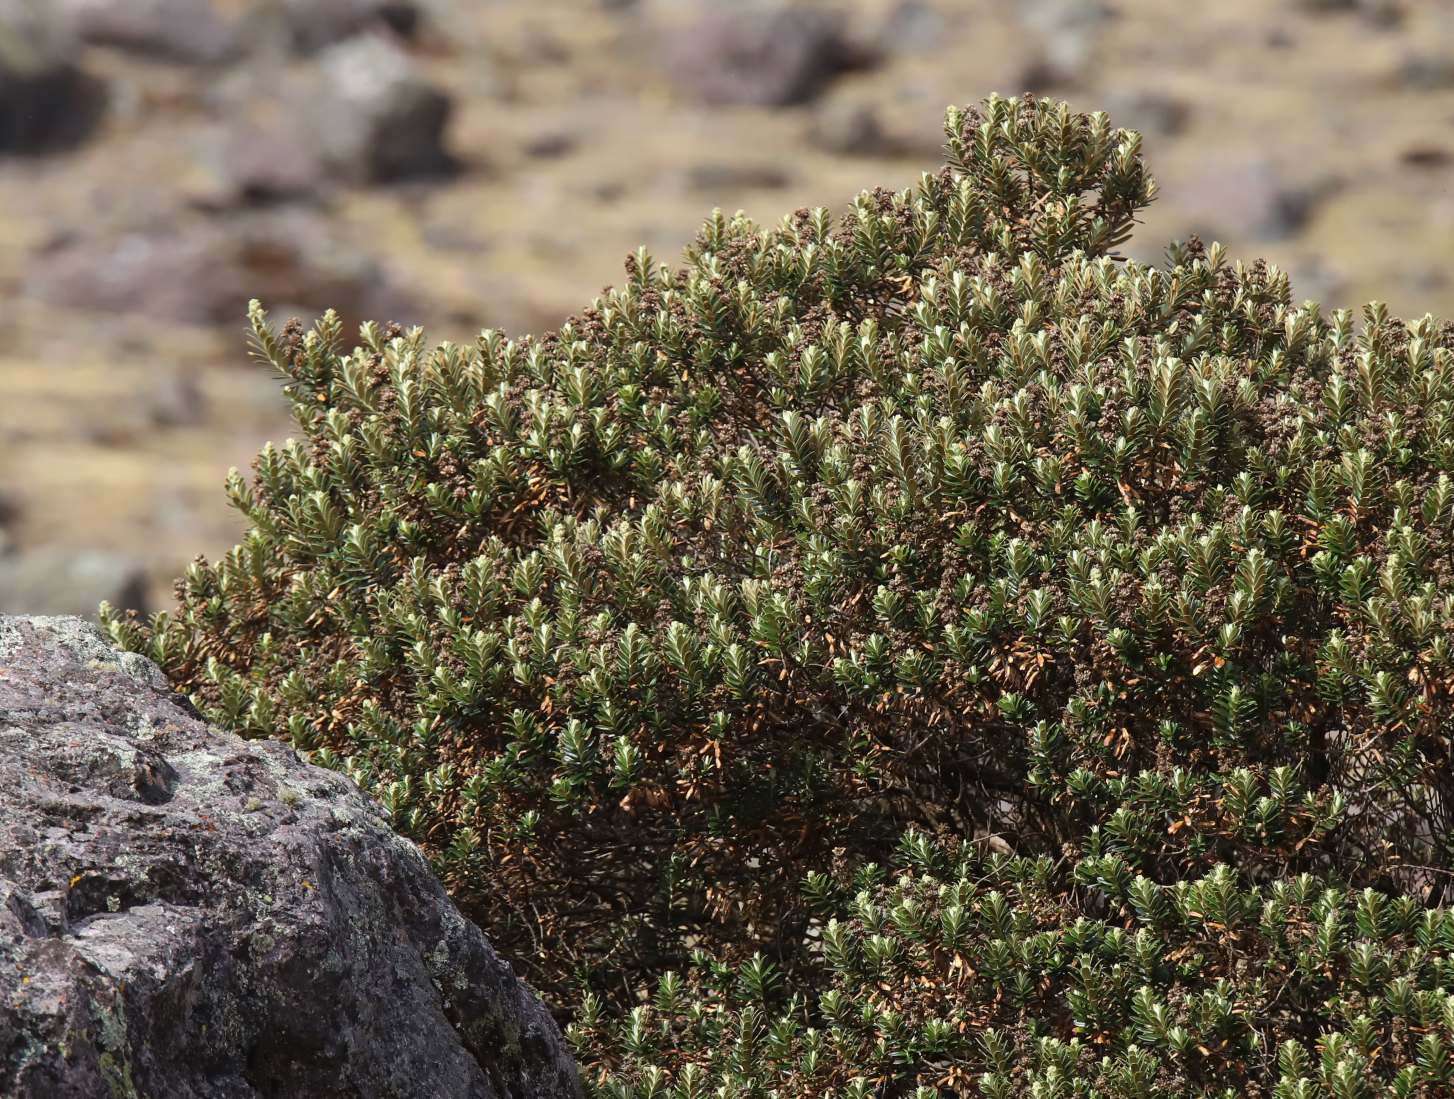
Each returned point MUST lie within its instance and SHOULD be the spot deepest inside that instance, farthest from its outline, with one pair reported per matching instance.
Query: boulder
(728, 177)
(1427, 68)
(1249, 197)
(851, 128)
(1063, 35)
(912, 26)
(47, 102)
(187, 914)
(760, 54)
(359, 112)
(314, 25)
(180, 273)
(373, 117)
(1381, 13)
(267, 163)
(49, 580)
(175, 400)
(212, 31)
(187, 31)
(1151, 112)
(203, 272)
(9, 514)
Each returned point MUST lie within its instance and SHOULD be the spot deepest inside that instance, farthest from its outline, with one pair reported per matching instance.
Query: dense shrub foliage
(999, 976)
(935, 516)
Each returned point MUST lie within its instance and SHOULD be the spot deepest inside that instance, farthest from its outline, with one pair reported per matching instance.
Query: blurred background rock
(470, 163)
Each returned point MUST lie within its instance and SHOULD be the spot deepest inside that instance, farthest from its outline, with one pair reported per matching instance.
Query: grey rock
(204, 272)
(1427, 278)
(1381, 13)
(374, 117)
(358, 112)
(176, 400)
(851, 128)
(760, 54)
(213, 31)
(187, 31)
(1427, 69)
(1426, 155)
(314, 25)
(45, 580)
(262, 164)
(1064, 34)
(724, 176)
(9, 514)
(1149, 111)
(1312, 278)
(181, 273)
(186, 914)
(1247, 198)
(47, 102)
(551, 144)
(912, 26)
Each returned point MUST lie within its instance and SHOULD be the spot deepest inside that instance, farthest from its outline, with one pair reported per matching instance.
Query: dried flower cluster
(1109, 603)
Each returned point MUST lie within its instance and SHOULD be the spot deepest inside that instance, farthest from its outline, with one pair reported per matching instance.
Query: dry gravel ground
(1318, 133)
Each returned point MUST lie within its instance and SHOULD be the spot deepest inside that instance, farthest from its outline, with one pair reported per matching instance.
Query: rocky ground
(490, 163)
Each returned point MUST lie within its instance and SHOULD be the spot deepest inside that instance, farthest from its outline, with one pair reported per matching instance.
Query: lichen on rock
(185, 913)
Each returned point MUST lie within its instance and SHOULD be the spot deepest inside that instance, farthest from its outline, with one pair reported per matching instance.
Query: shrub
(940, 516)
(976, 973)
